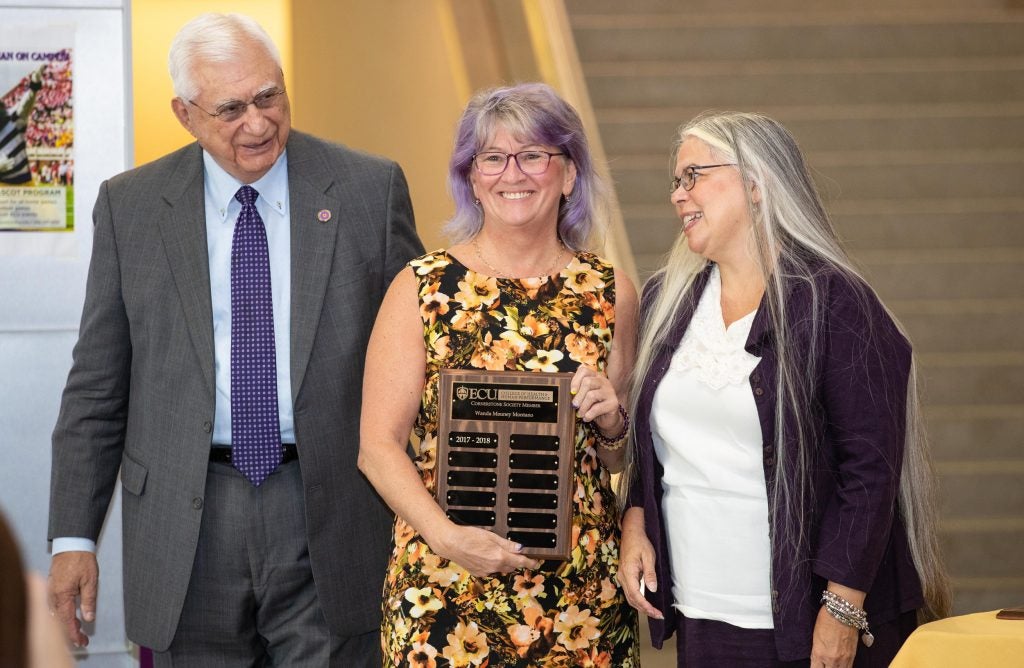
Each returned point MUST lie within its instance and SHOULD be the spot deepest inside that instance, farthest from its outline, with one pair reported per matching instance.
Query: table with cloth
(967, 640)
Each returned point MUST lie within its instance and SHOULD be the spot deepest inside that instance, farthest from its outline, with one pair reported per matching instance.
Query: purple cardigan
(857, 416)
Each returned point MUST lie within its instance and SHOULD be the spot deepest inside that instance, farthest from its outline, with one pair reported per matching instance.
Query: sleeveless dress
(567, 613)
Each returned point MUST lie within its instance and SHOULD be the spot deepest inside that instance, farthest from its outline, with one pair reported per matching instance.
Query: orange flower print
(469, 321)
(608, 590)
(429, 263)
(477, 290)
(527, 586)
(582, 350)
(589, 542)
(423, 601)
(533, 285)
(534, 639)
(531, 326)
(576, 628)
(415, 549)
(467, 645)
(403, 534)
(422, 655)
(595, 658)
(427, 457)
(448, 575)
(490, 354)
(545, 360)
(516, 342)
(433, 303)
(438, 344)
(581, 277)
(588, 464)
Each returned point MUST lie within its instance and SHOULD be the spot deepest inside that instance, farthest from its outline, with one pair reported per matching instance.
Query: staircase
(911, 113)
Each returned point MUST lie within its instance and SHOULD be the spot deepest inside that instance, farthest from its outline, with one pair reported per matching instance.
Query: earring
(568, 198)
(476, 201)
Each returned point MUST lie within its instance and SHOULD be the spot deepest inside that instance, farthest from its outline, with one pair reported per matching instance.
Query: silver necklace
(501, 274)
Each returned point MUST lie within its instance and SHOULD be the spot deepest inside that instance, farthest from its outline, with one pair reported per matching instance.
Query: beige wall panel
(380, 77)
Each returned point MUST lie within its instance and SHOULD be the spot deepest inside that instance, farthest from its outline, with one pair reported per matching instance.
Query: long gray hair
(792, 234)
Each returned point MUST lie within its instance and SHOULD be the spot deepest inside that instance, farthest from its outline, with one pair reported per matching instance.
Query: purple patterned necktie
(255, 428)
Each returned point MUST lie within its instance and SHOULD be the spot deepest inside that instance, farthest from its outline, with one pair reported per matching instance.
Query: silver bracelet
(848, 614)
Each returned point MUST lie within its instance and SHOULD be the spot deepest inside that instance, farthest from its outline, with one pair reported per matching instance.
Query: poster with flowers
(36, 132)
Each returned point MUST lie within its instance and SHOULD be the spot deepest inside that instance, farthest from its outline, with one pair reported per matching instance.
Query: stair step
(813, 36)
(711, 7)
(657, 229)
(853, 175)
(869, 224)
(902, 281)
(920, 230)
(987, 594)
(661, 68)
(980, 431)
(945, 280)
(753, 84)
(989, 489)
(632, 136)
(977, 381)
(969, 543)
(788, 113)
(955, 333)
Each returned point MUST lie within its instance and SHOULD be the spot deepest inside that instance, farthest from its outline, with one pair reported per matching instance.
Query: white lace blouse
(707, 437)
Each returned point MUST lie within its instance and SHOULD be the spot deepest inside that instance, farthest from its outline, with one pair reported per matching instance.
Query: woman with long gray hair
(780, 501)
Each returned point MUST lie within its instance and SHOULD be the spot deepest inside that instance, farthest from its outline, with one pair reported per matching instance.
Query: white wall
(41, 298)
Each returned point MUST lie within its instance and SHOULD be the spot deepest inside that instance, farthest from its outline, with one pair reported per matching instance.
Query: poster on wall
(37, 165)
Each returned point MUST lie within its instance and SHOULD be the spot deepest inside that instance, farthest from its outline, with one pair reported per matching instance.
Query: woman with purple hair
(519, 289)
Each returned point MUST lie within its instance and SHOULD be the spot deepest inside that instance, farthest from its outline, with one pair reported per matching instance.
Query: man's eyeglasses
(690, 174)
(235, 109)
(493, 163)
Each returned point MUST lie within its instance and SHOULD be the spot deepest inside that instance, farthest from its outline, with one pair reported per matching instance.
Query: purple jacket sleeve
(864, 375)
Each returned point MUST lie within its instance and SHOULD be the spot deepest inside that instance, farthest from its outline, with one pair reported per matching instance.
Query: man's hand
(74, 577)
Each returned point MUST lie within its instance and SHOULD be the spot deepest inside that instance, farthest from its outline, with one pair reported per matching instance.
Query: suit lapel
(313, 240)
(183, 230)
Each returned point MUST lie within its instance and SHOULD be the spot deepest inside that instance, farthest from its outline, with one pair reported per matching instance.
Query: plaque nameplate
(505, 452)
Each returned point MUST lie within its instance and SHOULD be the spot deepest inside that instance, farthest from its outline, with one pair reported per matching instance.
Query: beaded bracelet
(612, 443)
(848, 614)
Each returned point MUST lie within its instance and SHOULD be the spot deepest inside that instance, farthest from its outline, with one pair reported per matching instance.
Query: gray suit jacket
(140, 394)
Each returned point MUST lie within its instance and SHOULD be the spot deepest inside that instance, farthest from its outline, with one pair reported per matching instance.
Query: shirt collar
(272, 187)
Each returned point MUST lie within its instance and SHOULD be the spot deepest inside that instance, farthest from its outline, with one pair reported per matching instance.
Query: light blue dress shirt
(222, 211)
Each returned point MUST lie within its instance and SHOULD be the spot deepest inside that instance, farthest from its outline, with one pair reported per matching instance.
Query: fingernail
(519, 547)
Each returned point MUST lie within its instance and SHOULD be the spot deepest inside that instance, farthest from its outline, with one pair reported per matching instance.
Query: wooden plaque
(505, 453)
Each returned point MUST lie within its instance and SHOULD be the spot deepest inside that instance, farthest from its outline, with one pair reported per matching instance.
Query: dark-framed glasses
(232, 110)
(690, 174)
(492, 163)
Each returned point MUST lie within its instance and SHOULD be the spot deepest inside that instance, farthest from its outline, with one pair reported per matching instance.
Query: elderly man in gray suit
(232, 289)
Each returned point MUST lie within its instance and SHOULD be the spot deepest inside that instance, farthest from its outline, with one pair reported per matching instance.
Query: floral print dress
(567, 613)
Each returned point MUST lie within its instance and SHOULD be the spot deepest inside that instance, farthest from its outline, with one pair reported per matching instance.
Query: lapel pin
(323, 216)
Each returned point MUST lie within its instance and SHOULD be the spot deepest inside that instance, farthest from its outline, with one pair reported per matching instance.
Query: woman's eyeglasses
(690, 174)
(492, 163)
